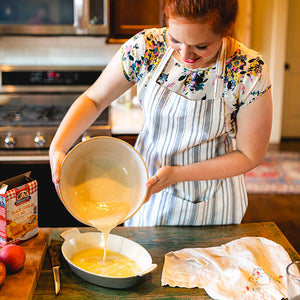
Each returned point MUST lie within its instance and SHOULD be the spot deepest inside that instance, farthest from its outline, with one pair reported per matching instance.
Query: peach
(2, 272)
(13, 256)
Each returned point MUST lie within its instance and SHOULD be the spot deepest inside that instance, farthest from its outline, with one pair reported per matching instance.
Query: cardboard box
(18, 209)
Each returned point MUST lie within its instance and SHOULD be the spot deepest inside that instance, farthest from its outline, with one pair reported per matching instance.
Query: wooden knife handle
(54, 252)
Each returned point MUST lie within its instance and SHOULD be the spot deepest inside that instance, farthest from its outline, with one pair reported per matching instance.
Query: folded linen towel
(247, 268)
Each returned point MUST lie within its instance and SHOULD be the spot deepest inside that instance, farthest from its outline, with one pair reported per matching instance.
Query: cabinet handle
(287, 66)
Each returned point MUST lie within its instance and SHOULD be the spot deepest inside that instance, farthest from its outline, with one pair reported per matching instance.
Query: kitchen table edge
(139, 234)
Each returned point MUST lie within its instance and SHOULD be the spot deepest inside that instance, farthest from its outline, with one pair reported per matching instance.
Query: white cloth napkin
(247, 268)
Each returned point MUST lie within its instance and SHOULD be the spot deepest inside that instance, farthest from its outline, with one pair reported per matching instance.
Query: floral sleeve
(132, 56)
(247, 78)
(141, 54)
(256, 81)
(254, 76)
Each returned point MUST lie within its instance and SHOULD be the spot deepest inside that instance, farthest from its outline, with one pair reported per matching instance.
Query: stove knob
(10, 141)
(40, 140)
(85, 137)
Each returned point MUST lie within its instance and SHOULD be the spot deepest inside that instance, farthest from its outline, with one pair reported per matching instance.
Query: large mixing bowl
(96, 162)
(76, 241)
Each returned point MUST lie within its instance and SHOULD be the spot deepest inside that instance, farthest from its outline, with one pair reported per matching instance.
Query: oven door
(51, 211)
(54, 17)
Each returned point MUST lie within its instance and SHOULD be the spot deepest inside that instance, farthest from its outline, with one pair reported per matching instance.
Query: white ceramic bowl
(96, 160)
(76, 241)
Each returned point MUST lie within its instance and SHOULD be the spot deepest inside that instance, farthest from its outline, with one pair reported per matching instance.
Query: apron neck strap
(221, 62)
(220, 70)
(163, 62)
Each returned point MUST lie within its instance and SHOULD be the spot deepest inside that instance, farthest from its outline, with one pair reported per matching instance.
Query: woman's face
(195, 44)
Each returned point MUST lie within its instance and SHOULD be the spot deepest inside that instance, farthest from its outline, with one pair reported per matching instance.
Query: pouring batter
(101, 196)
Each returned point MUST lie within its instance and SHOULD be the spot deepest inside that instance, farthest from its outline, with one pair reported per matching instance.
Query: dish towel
(250, 268)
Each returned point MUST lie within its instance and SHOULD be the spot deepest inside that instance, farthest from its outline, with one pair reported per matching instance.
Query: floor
(284, 210)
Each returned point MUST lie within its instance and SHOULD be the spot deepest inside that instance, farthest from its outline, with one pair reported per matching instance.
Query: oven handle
(81, 16)
(24, 158)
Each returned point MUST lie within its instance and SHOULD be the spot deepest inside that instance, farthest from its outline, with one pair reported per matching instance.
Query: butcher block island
(158, 241)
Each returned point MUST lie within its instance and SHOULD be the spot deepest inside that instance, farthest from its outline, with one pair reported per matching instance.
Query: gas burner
(29, 115)
(34, 115)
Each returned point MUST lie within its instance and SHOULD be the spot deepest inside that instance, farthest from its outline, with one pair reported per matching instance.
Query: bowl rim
(89, 140)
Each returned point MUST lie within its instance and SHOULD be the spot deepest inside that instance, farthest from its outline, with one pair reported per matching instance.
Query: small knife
(54, 249)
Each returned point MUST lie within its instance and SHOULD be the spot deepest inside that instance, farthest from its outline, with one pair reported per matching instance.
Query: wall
(261, 33)
(55, 51)
(242, 30)
(269, 32)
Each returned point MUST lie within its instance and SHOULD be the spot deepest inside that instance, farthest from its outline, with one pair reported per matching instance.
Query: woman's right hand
(56, 158)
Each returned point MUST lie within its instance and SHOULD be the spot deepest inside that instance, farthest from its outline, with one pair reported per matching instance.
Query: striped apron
(179, 131)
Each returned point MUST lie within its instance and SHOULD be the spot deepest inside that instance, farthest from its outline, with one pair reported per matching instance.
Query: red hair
(219, 14)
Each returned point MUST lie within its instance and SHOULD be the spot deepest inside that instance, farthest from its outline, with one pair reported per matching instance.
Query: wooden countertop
(125, 120)
(21, 285)
(158, 241)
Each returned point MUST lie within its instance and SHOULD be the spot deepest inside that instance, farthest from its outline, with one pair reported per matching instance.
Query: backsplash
(55, 51)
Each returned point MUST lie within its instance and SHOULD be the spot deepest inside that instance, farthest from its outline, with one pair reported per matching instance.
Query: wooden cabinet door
(291, 102)
(128, 17)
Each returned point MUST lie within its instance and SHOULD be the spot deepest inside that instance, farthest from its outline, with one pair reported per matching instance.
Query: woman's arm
(85, 110)
(254, 123)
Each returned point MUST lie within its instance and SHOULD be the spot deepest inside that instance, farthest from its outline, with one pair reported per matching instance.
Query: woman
(207, 108)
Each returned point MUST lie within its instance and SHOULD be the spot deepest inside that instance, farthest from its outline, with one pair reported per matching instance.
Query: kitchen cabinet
(129, 138)
(128, 17)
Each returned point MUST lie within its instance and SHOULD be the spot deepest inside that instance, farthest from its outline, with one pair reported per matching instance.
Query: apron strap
(221, 67)
(163, 62)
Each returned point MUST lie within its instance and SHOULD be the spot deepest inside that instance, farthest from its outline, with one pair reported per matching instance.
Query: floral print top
(246, 75)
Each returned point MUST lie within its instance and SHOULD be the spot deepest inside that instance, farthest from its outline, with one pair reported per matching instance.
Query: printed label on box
(19, 214)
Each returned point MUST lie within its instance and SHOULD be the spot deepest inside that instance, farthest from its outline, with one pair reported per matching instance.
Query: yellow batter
(102, 195)
(102, 180)
(115, 264)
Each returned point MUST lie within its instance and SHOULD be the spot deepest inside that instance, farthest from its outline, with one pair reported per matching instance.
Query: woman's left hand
(163, 178)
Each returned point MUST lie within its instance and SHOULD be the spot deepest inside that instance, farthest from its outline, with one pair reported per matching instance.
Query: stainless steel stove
(33, 101)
